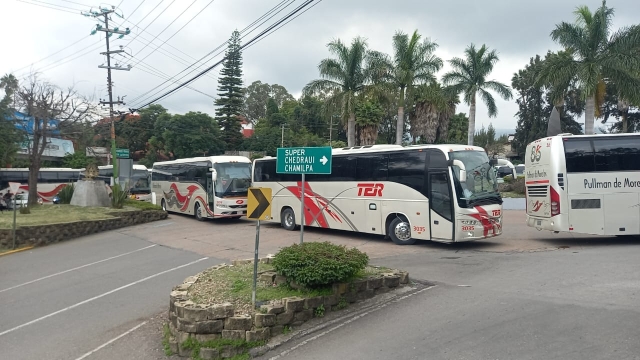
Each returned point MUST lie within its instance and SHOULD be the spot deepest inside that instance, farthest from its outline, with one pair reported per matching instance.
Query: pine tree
(230, 94)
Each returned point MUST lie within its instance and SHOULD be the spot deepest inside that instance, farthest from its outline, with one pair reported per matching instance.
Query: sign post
(14, 188)
(258, 208)
(303, 160)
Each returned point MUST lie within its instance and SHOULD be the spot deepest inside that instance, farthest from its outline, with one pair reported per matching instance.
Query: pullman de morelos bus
(445, 193)
(586, 184)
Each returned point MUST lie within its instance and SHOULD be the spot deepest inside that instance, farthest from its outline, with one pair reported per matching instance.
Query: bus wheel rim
(288, 219)
(402, 231)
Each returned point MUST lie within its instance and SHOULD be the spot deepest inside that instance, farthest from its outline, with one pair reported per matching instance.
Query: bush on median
(315, 264)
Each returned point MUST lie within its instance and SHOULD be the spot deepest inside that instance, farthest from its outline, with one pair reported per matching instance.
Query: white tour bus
(586, 184)
(445, 193)
(50, 180)
(139, 183)
(207, 187)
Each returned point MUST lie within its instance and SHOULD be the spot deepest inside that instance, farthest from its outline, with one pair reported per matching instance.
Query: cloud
(518, 30)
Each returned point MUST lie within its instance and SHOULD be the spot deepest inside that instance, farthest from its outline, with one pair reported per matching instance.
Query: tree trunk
(623, 107)
(351, 130)
(589, 115)
(34, 169)
(400, 122)
(472, 120)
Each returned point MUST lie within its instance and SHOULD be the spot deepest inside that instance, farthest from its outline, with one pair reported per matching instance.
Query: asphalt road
(66, 300)
(527, 294)
(577, 303)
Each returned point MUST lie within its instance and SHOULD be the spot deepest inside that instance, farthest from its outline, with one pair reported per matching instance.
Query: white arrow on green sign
(304, 160)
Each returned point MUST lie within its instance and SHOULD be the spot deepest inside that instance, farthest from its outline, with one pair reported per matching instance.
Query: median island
(212, 315)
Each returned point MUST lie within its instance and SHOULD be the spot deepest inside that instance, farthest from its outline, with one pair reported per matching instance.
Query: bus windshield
(481, 186)
(139, 182)
(233, 179)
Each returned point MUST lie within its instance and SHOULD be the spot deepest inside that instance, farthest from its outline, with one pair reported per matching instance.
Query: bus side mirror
(463, 171)
(214, 174)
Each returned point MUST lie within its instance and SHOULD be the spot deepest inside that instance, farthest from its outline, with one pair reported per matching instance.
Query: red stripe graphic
(46, 196)
(314, 204)
(486, 221)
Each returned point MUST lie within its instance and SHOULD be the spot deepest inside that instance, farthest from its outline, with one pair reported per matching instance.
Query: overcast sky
(517, 29)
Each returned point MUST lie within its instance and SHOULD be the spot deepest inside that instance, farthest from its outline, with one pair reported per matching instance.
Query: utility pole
(330, 129)
(282, 136)
(105, 14)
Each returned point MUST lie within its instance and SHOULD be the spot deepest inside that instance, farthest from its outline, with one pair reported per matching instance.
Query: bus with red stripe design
(50, 180)
(205, 187)
(587, 184)
(444, 193)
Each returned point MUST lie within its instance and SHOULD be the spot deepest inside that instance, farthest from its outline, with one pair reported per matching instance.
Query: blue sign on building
(26, 123)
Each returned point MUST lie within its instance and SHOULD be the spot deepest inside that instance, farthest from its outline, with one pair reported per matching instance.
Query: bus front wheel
(198, 212)
(164, 205)
(400, 231)
(288, 219)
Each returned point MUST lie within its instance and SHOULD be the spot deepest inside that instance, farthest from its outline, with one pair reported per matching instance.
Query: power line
(296, 10)
(55, 53)
(52, 66)
(199, 66)
(174, 34)
(49, 7)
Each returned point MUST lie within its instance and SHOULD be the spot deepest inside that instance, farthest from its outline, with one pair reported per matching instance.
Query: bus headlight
(469, 222)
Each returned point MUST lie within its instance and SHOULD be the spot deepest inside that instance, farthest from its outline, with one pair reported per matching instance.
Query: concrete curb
(16, 250)
(350, 314)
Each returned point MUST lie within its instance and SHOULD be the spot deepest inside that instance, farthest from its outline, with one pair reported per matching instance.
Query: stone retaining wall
(46, 234)
(206, 322)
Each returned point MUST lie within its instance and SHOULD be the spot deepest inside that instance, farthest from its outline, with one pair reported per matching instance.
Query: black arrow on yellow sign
(259, 203)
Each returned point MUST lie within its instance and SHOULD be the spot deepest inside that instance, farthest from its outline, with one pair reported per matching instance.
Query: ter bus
(586, 184)
(444, 193)
(50, 180)
(206, 187)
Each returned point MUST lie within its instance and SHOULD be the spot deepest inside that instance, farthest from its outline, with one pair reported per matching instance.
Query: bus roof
(213, 159)
(582, 136)
(380, 148)
(41, 169)
(135, 167)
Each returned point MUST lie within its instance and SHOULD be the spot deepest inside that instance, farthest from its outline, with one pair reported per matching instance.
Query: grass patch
(165, 339)
(195, 346)
(511, 194)
(55, 214)
(234, 285)
(142, 205)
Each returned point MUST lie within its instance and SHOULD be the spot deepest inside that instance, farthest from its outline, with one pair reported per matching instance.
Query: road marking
(97, 297)
(161, 225)
(110, 341)
(354, 318)
(76, 268)
(17, 250)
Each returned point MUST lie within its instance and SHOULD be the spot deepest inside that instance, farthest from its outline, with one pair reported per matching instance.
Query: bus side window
(579, 155)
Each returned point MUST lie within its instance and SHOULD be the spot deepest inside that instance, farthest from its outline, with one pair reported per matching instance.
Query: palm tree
(434, 107)
(595, 57)
(346, 76)
(413, 63)
(469, 76)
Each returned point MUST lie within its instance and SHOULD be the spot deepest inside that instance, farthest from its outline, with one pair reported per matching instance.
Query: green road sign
(304, 160)
(122, 153)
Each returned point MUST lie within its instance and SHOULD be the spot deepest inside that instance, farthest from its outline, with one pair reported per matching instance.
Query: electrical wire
(174, 34)
(286, 3)
(257, 37)
(49, 7)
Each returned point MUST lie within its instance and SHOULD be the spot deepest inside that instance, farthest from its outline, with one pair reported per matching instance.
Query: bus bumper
(541, 223)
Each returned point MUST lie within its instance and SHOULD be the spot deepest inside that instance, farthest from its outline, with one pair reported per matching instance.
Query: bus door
(210, 193)
(441, 206)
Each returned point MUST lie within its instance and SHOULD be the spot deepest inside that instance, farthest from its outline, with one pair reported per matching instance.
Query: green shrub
(316, 264)
(66, 194)
(508, 179)
(25, 210)
(118, 196)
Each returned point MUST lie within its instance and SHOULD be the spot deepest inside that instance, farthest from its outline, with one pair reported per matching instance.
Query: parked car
(22, 200)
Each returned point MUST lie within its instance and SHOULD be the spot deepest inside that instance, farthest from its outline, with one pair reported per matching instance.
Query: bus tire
(164, 205)
(288, 219)
(197, 212)
(400, 231)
